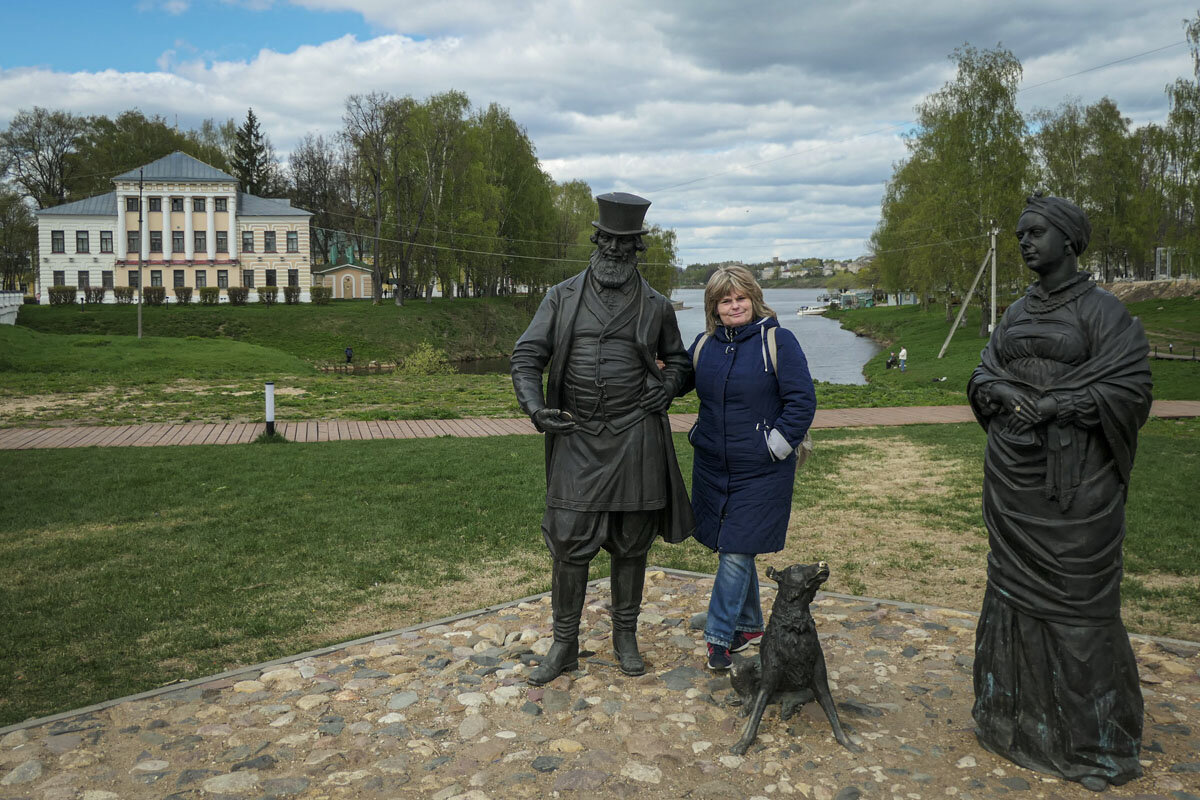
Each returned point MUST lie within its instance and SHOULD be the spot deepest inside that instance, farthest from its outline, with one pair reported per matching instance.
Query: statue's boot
(567, 592)
(628, 578)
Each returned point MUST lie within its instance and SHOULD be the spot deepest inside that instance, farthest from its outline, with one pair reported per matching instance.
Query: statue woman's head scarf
(1064, 215)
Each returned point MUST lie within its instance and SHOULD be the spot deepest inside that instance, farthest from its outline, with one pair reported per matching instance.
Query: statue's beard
(612, 274)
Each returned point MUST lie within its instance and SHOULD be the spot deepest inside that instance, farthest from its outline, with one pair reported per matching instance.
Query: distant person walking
(349, 354)
(903, 357)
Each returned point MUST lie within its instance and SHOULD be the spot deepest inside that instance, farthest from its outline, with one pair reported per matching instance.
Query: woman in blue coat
(753, 414)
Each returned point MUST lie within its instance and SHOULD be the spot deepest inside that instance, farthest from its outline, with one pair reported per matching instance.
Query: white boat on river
(806, 311)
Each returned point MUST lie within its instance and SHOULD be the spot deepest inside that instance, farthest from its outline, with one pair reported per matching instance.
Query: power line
(475, 252)
(900, 125)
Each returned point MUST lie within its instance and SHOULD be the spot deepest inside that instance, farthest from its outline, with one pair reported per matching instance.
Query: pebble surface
(444, 712)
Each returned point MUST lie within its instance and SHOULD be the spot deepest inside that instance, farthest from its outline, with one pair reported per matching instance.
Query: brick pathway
(339, 430)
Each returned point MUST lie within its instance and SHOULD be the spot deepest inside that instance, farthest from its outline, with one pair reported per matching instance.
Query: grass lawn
(208, 364)
(463, 328)
(124, 569)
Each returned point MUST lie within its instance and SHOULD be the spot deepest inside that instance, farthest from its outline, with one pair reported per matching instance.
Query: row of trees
(436, 191)
(974, 157)
(426, 191)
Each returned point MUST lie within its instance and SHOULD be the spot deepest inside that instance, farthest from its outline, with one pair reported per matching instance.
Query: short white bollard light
(270, 408)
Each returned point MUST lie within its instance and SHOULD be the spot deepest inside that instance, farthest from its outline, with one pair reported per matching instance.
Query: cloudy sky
(757, 129)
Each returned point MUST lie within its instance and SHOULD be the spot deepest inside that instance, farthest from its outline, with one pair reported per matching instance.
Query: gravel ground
(443, 712)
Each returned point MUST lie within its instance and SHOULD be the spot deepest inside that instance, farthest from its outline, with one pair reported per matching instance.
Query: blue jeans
(734, 605)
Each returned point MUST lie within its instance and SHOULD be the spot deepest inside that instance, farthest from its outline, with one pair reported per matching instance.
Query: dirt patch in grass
(876, 543)
(49, 402)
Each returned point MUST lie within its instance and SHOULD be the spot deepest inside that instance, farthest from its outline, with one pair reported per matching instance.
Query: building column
(234, 244)
(119, 233)
(210, 237)
(189, 237)
(167, 231)
(143, 231)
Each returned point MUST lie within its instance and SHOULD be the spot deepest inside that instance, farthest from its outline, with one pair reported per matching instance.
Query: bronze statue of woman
(1063, 387)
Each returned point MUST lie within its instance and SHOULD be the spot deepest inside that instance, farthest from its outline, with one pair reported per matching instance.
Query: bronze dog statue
(792, 670)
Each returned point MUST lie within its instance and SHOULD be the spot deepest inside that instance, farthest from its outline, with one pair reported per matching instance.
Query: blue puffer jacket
(742, 493)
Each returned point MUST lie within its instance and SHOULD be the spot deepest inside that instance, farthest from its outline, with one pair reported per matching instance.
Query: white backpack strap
(773, 351)
(696, 352)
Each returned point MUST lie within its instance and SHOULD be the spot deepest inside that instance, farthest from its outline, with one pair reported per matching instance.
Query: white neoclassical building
(184, 223)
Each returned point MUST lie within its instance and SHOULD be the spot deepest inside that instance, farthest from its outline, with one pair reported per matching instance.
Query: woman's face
(1043, 246)
(734, 309)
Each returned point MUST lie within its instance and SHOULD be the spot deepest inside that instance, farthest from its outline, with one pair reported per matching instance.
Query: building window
(201, 278)
(221, 204)
(81, 242)
(293, 277)
(223, 279)
(58, 243)
(247, 241)
(105, 241)
(81, 279)
(106, 279)
(133, 244)
(177, 204)
(197, 204)
(248, 278)
(270, 278)
(156, 277)
(156, 204)
(155, 241)
(201, 242)
(177, 278)
(268, 241)
(222, 241)
(131, 204)
(60, 277)
(293, 241)
(176, 241)
(133, 278)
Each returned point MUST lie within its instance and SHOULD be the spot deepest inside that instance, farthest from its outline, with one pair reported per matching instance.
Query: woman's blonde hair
(734, 278)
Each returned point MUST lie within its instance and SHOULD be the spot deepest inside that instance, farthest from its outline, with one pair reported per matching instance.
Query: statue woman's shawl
(1116, 376)
(1056, 553)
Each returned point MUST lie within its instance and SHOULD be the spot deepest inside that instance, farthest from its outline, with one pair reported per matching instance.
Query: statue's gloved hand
(655, 399)
(553, 420)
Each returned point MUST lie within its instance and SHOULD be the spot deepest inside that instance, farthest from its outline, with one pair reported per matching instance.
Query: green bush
(154, 295)
(62, 295)
(291, 295)
(183, 295)
(94, 294)
(267, 295)
(210, 295)
(123, 294)
(425, 360)
(320, 295)
(237, 295)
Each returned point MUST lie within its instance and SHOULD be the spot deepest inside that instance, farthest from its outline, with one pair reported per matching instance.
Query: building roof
(102, 205)
(250, 205)
(355, 264)
(178, 166)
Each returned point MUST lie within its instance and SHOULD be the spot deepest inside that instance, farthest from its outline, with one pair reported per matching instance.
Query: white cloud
(751, 127)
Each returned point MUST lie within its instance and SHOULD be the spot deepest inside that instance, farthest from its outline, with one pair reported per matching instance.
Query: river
(835, 355)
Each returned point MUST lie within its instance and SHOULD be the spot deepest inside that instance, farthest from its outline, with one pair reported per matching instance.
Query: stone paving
(443, 712)
(190, 433)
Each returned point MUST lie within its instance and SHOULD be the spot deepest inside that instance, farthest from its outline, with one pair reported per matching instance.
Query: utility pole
(992, 325)
(139, 240)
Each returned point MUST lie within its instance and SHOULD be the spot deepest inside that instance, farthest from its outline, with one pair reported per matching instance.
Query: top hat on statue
(621, 213)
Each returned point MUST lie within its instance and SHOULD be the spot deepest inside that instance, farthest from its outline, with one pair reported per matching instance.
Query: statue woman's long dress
(1063, 387)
